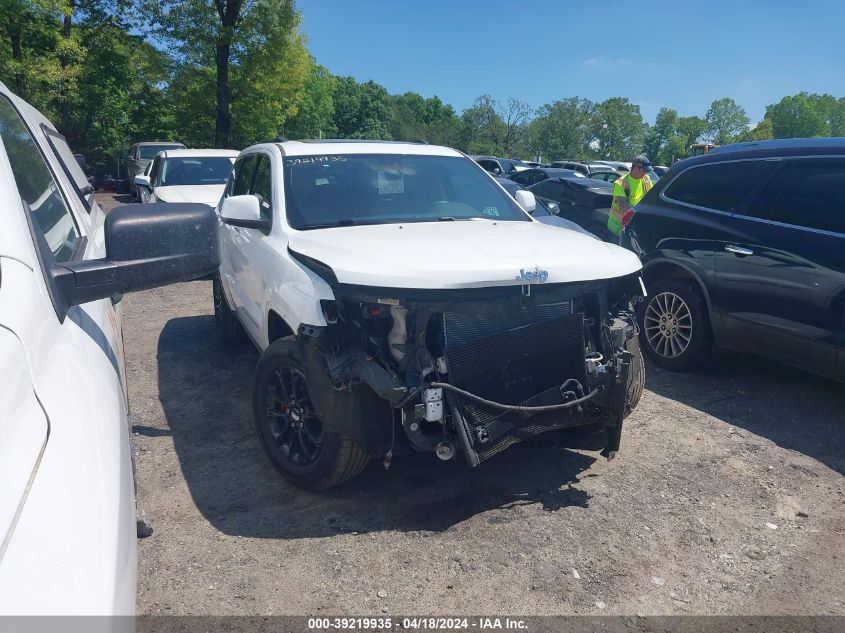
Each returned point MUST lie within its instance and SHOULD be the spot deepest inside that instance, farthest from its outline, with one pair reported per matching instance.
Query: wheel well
(276, 327)
(659, 271)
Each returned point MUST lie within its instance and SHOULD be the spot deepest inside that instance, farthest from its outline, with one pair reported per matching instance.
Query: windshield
(338, 190)
(146, 152)
(208, 170)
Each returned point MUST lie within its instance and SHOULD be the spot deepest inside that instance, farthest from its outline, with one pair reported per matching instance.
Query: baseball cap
(641, 160)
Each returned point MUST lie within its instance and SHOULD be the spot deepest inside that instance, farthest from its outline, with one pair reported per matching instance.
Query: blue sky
(681, 55)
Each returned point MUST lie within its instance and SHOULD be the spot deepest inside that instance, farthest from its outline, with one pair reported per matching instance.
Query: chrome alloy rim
(668, 325)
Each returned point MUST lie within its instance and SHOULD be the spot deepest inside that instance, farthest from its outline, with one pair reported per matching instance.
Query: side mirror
(147, 246)
(526, 200)
(142, 181)
(243, 211)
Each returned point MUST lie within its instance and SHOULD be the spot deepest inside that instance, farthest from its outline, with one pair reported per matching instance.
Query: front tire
(674, 326)
(636, 379)
(289, 430)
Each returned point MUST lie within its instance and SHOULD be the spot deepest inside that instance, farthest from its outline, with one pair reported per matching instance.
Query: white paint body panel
(70, 547)
(469, 254)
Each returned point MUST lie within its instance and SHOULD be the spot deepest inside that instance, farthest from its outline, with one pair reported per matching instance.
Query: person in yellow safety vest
(628, 190)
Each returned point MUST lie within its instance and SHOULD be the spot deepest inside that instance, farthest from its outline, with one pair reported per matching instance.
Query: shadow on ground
(205, 391)
(794, 409)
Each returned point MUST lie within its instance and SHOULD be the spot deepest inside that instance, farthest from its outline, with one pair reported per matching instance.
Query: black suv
(744, 248)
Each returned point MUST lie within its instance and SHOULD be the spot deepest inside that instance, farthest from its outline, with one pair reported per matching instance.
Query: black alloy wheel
(295, 429)
(291, 433)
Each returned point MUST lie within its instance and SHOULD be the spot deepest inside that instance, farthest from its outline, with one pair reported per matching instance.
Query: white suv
(67, 497)
(397, 292)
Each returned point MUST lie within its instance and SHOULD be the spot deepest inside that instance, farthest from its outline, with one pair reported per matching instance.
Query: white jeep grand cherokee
(400, 296)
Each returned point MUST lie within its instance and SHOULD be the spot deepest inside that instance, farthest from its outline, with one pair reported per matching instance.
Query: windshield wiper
(329, 225)
(450, 218)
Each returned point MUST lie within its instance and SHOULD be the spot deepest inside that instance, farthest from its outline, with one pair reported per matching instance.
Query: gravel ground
(727, 497)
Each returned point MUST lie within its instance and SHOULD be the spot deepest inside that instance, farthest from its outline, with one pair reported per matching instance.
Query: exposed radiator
(510, 358)
(461, 328)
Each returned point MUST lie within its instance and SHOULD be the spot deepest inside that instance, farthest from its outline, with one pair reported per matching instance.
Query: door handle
(738, 250)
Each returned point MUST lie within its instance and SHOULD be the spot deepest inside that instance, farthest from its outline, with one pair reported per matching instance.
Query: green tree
(481, 127)
(726, 120)
(807, 115)
(763, 131)
(562, 129)
(259, 59)
(361, 110)
(416, 117)
(617, 128)
(657, 137)
(491, 127)
(30, 33)
(315, 112)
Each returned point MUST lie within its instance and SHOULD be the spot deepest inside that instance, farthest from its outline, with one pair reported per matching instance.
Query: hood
(206, 194)
(463, 254)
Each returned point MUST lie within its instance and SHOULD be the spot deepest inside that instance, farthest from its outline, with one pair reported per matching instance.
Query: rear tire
(290, 433)
(674, 325)
(229, 329)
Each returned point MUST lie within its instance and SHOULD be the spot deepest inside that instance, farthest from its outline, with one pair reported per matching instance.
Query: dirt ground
(727, 497)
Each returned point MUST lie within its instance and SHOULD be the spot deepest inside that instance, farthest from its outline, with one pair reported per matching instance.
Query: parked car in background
(140, 155)
(584, 201)
(528, 177)
(620, 166)
(547, 211)
(500, 166)
(187, 175)
(606, 176)
(585, 168)
(744, 248)
(610, 176)
(67, 498)
(531, 163)
(397, 289)
(660, 170)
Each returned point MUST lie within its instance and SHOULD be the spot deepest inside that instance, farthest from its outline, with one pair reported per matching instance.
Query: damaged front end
(474, 370)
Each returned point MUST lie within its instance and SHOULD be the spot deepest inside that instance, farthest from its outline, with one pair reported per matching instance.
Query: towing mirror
(526, 200)
(243, 211)
(147, 246)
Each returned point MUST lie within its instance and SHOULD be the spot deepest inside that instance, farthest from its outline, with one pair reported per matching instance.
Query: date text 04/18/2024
(429, 623)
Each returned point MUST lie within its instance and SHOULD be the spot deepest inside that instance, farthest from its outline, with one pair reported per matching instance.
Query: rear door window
(719, 186)
(548, 189)
(524, 177)
(38, 190)
(810, 193)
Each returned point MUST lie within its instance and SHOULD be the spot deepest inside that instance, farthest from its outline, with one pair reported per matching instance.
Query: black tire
(290, 433)
(674, 325)
(229, 329)
(636, 378)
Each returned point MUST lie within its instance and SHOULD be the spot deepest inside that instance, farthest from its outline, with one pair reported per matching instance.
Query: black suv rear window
(811, 194)
(719, 186)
